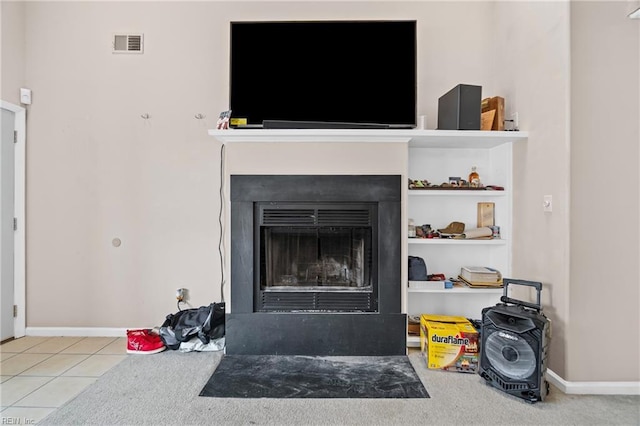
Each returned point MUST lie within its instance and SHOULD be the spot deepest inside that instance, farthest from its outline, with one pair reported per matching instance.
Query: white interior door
(7, 211)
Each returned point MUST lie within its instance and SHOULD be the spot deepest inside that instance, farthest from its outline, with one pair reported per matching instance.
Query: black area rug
(280, 376)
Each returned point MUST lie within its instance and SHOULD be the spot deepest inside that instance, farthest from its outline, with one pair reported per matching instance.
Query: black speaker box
(460, 108)
(514, 346)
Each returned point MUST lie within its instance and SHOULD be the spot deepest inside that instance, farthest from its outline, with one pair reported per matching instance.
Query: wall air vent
(127, 43)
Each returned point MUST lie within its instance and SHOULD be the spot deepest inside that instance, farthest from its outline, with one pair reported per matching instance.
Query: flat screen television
(324, 72)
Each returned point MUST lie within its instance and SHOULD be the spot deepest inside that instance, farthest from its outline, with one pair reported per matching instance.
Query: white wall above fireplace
(313, 157)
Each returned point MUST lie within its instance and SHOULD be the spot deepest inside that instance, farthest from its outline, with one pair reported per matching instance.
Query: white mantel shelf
(415, 138)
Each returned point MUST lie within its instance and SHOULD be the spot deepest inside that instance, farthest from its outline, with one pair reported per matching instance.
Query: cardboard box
(449, 343)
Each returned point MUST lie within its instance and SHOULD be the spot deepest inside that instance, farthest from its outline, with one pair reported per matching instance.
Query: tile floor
(40, 374)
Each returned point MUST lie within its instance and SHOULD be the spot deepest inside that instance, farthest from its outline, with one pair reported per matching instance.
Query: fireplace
(316, 257)
(315, 265)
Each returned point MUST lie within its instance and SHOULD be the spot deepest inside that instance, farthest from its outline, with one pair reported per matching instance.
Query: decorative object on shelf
(474, 178)
(454, 228)
(455, 184)
(423, 231)
(223, 120)
(455, 181)
(495, 105)
(411, 232)
(418, 184)
(447, 187)
(486, 119)
(486, 214)
(475, 234)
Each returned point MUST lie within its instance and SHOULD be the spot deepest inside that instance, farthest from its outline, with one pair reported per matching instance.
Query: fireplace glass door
(316, 257)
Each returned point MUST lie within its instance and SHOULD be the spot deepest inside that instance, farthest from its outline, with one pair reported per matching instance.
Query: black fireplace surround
(316, 265)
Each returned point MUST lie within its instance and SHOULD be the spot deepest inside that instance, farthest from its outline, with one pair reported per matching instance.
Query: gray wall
(532, 41)
(98, 171)
(605, 215)
(12, 73)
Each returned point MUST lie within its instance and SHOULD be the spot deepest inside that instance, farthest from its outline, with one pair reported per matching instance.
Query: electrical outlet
(180, 294)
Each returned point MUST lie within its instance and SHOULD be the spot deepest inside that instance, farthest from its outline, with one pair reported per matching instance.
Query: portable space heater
(514, 345)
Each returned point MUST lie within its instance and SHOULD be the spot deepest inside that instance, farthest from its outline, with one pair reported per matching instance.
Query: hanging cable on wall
(221, 241)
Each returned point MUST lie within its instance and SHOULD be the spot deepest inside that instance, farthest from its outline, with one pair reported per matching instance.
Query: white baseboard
(77, 331)
(593, 388)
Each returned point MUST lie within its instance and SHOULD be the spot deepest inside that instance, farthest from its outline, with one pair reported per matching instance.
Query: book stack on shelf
(480, 276)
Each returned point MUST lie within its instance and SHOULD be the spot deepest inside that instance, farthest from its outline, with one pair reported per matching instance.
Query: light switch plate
(25, 96)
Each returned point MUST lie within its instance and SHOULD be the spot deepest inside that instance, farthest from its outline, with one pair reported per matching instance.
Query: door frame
(19, 252)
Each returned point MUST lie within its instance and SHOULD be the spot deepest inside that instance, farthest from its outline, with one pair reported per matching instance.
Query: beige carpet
(162, 389)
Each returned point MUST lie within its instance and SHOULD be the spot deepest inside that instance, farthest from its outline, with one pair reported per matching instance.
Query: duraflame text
(452, 340)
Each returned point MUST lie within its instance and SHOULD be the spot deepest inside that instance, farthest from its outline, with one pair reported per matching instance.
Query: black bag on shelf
(417, 269)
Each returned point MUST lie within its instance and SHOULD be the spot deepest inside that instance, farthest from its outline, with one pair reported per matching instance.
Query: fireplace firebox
(316, 257)
(315, 265)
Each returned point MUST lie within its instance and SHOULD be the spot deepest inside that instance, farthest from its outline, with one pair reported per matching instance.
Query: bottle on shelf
(474, 178)
(412, 229)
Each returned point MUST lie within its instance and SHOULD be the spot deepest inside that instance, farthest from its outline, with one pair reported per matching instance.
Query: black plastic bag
(205, 322)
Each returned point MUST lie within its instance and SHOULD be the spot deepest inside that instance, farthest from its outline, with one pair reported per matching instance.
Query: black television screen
(324, 71)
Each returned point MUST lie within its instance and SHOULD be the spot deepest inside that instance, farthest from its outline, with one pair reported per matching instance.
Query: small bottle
(412, 229)
(474, 178)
